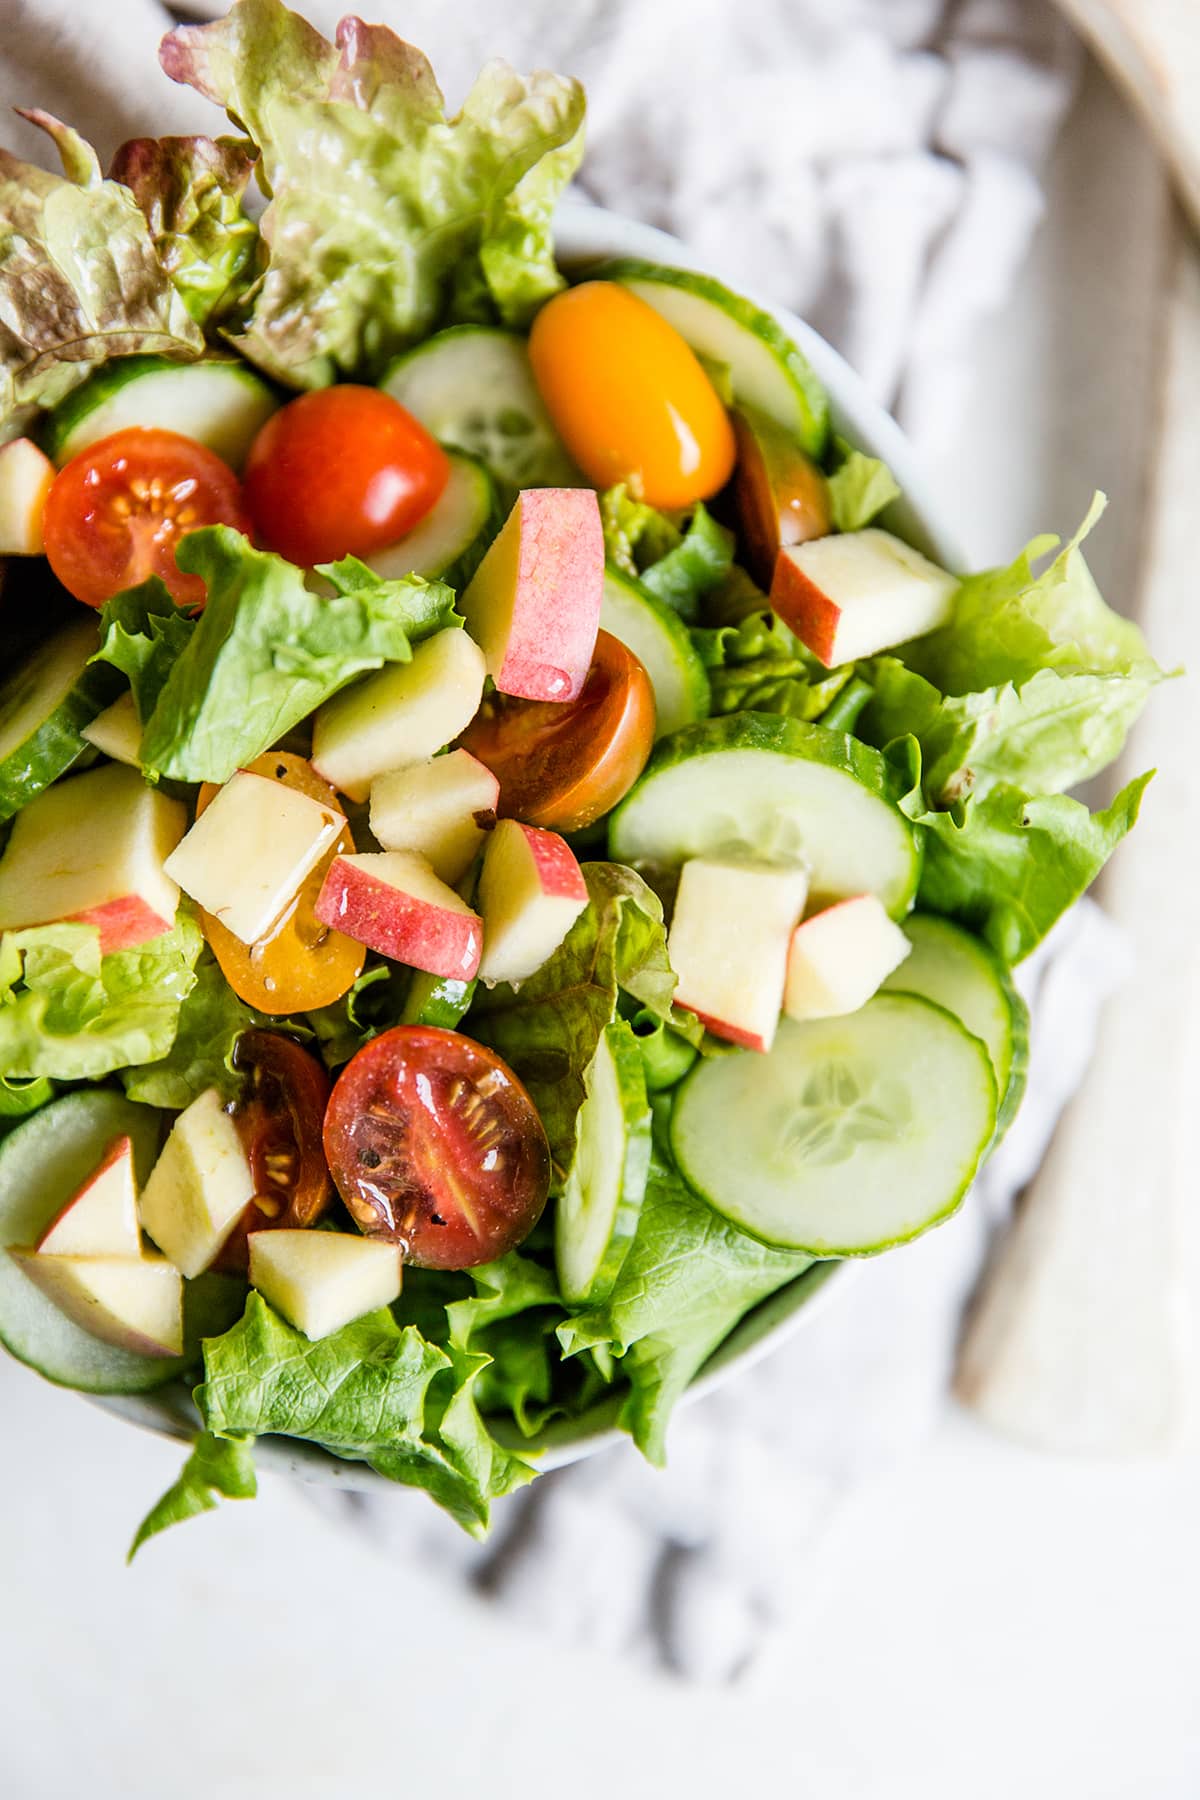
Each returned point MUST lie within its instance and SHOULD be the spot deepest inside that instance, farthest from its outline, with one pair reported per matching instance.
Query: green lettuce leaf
(381, 209)
(370, 1005)
(143, 633)
(860, 487)
(635, 534)
(218, 1468)
(79, 280)
(20, 1098)
(211, 1020)
(699, 563)
(758, 665)
(190, 190)
(267, 650)
(71, 1014)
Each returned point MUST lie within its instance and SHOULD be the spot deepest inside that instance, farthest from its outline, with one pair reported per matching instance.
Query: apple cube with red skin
(392, 902)
(90, 851)
(100, 1218)
(25, 478)
(840, 957)
(533, 604)
(728, 945)
(859, 592)
(442, 808)
(133, 1303)
(531, 891)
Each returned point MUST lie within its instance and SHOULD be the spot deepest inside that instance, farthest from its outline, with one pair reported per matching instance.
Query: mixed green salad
(507, 858)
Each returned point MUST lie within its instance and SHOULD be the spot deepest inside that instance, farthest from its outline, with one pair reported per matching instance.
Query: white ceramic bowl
(585, 234)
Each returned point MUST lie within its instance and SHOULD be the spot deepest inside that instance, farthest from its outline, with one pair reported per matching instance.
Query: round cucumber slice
(849, 1136)
(755, 786)
(954, 969)
(220, 403)
(597, 1211)
(472, 387)
(660, 640)
(44, 705)
(436, 1000)
(765, 367)
(450, 541)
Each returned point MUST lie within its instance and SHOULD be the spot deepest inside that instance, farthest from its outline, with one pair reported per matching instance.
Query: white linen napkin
(876, 165)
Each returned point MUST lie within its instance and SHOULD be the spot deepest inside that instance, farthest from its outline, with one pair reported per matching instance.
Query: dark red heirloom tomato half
(279, 1119)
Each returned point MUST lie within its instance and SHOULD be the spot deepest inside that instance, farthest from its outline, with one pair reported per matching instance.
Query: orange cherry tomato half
(629, 397)
(564, 764)
(435, 1145)
(302, 964)
(116, 512)
(341, 472)
(279, 1117)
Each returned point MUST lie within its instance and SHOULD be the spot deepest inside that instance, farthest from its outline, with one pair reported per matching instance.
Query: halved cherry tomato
(341, 472)
(116, 512)
(564, 764)
(279, 1119)
(781, 495)
(302, 964)
(629, 397)
(435, 1145)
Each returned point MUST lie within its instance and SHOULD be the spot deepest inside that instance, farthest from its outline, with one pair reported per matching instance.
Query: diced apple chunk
(92, 850)
(101, 1218)
(249, 851)
(858, 593)
(728, 945)
(25, 477)
(117, 732)
(442, 808)
(534, 601)
(840, 957)
(531, 891)
(199, 1187)
(322, 1280)
(134, 1303)
(392, 901)
(403, 714)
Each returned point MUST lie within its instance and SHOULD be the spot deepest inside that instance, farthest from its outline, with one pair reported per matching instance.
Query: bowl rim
(587, 234)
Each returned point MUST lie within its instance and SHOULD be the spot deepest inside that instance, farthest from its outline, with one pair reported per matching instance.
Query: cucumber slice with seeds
(661, 642)
(44, 705)
(449, 543)
(849, 1136)
(220, 403)
(597, 1211)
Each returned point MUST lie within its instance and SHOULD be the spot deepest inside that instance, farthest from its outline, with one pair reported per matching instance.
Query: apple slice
(442, 808)
(91, 850)
(534, 601)
(117, 731)
(855, 594)
(403, 714)
(392, 902)
(840, 957)
(728, 945)
(25, 477)
(248, 853)
(199, 1186)
(780, 494)
(531, 891)
(322, 1280)
(100, 1219)
(134, 1303)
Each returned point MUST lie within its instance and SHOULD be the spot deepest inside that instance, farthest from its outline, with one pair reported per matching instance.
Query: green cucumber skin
(697, 690)
(458, 573)
(437, 1000)
(56, 744)
(64, 422)
(623, 1048)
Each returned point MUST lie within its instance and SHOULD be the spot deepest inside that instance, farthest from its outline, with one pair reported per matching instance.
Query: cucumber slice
(220, 403)
(44, 705)
(436, 1000)
(597, 1211)
(472, 387)
(661, 641)
(849, 1136)
(765, 367)
(752, 786)
(954, 969)
(450, 541)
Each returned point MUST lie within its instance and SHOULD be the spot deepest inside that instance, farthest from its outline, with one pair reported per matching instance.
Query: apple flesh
(840, 957)
(91, 851)
(101, 1218)
(392, 902)
(199, 1187)
(250, 850)
(531, 891)
(322, 1280)
(858, 593)
(117, 731)
(442, 808)
(781, 496)
(534, 601)
(25, 477)
(134, 1303)
(728, 945)
(401, 715)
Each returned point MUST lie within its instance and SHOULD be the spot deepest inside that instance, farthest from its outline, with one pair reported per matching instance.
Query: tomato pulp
(279, 1119)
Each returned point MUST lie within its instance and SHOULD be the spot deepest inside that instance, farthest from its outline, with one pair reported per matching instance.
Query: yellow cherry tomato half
(629, 397)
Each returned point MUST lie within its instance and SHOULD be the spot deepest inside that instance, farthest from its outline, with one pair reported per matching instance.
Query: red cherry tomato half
(116, 512)
(435, 1145)
(341, 472)
(279, 1119)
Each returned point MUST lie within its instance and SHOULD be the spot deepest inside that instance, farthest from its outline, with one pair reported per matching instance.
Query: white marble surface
(981, 1621)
